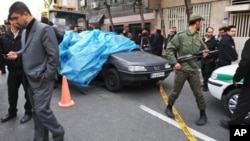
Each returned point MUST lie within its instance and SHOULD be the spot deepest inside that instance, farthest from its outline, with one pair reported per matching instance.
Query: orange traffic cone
(65, 99)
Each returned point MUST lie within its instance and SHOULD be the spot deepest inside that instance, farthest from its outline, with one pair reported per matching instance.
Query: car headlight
(214, 76)
(136, 68)
(167, 66)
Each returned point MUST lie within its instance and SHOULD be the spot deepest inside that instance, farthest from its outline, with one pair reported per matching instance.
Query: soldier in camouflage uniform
(184, 43)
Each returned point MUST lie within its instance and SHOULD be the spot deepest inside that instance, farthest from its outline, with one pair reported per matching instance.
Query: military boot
(203, 118)
(169, 111)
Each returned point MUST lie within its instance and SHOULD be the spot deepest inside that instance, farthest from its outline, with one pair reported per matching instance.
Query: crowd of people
(155, 43)
(189, 42)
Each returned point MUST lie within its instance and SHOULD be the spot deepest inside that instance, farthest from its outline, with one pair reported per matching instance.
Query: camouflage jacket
(184, 43)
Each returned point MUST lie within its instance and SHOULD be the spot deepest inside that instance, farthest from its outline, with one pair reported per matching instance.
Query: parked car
(133, 68)
(220, 86)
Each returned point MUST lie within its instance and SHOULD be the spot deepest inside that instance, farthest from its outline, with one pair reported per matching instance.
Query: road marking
(174, 123)
(178, 118)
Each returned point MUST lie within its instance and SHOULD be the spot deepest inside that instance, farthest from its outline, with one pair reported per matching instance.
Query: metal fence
(242, 23)
(177, 16)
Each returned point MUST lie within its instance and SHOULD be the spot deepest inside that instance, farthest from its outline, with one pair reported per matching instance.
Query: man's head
(126, 28)
(20, 14)
(209, 32)
(196, 20)
(231, 30)
(174, 30)
(223, 31)
(144, 31)
(44, 20)
(158, 31)
(7, 24)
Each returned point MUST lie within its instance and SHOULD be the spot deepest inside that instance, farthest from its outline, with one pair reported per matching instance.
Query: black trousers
(43, 116)
(242, 108)
(14, 81)
(207, 68)
(157, 51)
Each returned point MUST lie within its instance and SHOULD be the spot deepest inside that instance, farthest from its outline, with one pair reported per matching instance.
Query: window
(115, 1)
(242, 23)
(237, 2)
(177, 16)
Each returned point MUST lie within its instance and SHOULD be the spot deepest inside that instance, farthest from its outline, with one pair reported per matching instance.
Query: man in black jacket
(227, 52)
(208, 63)
(157, 42)
(170, 36)
(243, 104)
(11, 41)
(59, 35)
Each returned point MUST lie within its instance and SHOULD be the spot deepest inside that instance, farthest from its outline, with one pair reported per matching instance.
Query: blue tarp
(83, 55)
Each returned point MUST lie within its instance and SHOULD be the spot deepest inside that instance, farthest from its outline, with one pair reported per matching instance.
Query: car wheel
(230, 101)
(112, 80)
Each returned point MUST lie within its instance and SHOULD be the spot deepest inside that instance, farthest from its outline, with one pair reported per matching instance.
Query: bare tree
(110, 16)
(189, 8)
(162, 18)
(141, 11)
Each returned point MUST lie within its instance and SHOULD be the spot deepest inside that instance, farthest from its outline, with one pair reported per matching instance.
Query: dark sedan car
(133, 68)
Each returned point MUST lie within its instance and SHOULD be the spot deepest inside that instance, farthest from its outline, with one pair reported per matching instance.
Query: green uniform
(185, 43)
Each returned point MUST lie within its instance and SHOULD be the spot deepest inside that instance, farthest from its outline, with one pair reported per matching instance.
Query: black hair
(51, 23)
(18, 7)
(44, 20)
(223, 28)
(158, 31)
(6, 21)
(230, 27)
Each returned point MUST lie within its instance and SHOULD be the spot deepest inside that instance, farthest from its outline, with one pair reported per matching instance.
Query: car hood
(225, 73)
(227, 70)
(138, 58)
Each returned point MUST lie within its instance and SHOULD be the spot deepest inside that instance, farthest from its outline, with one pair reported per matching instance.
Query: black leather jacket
(9, 43)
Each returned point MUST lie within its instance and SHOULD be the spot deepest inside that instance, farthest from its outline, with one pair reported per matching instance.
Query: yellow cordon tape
(178, 118)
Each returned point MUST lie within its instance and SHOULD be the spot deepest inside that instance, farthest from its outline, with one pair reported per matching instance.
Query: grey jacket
(40, 54)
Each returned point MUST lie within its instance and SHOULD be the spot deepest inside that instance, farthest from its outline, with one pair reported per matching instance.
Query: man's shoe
(203, 118)
(225, 124)
(205, 89)
(25, 118)
(201, 121)
(8, 117)
(169, 112)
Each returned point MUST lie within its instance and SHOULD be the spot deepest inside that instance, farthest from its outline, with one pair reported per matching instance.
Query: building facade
(217, 13)
(123, 13)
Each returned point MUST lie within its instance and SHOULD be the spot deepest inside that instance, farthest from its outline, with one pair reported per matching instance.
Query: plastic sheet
(83, 55)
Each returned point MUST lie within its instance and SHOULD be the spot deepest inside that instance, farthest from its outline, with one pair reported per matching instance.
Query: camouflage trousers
(193, 78)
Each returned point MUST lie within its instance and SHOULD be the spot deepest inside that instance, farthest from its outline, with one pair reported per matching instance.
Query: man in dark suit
(157, 42)
(243, 105)
(11, 41)
(40, 60)
(208, 63)
(227, 51)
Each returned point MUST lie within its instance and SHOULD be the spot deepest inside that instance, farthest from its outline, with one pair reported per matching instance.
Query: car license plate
(156, 75)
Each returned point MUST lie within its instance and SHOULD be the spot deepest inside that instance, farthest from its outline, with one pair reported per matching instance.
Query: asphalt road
(134, 114)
